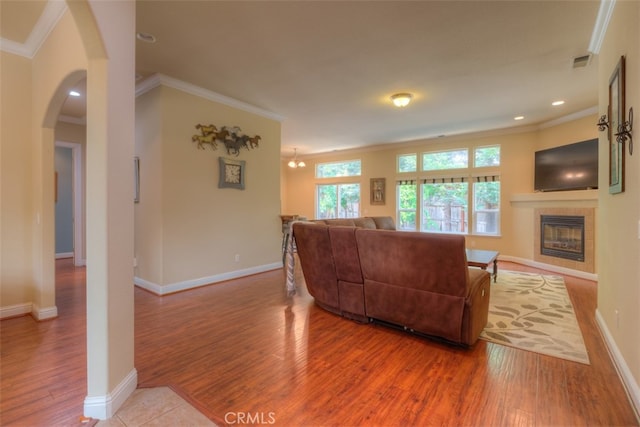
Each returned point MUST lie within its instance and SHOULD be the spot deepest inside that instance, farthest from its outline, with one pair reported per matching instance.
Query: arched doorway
(110, 74)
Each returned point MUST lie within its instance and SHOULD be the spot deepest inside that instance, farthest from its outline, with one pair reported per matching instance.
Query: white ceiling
(329, 67)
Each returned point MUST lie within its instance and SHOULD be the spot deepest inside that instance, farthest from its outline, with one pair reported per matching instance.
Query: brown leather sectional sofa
(364, 270)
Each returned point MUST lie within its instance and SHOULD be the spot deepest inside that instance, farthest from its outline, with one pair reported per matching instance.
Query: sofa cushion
(436, 262)
(384, 222)
(340, 221)
(365, 222)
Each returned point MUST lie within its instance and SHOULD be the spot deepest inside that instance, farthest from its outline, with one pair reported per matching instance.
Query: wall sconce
(624, 132)
(401, 99)
(295, 163)
(603, 123)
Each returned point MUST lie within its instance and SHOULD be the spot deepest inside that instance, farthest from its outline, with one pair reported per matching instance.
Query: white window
(487, 156)
(445, 206)
(339, 169)
(465, 200)
(337, 200)
(407, 163)
(407, 205)
(451, 159)
(486, 206)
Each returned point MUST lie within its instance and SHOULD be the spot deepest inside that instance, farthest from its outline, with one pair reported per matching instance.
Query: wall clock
(231, 173)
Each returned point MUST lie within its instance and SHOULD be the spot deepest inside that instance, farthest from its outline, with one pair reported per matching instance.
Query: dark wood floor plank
(244, 347)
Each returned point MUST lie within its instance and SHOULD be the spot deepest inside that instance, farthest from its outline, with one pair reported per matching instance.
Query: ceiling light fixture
(401, 99)
(518, 118)
(146, 37)
(74, 93)
(295, 163)
(556, 103)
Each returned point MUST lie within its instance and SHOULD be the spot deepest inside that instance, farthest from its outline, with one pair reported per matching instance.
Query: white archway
(106, 31)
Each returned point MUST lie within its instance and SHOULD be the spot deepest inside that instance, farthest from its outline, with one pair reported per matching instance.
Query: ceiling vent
(581, 61)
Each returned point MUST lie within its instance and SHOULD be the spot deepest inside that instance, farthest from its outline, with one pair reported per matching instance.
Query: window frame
(453, 168)
(471, 175)
(340, 162)
(338, 185)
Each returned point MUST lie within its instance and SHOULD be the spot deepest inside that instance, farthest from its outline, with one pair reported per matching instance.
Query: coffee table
(482, 259)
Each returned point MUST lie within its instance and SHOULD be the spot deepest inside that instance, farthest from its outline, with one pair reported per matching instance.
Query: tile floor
(159, 406)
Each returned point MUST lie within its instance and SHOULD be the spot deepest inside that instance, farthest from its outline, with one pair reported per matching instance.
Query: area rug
(533, 312)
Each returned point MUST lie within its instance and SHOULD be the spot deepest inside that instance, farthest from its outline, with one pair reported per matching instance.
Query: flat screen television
(568, 167)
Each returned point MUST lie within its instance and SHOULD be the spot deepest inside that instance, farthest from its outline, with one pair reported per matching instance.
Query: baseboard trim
(15, 310)
(62, 255)
(44, 313)
(628, 381)
(202, 281)
(549, 267)
(104, 407)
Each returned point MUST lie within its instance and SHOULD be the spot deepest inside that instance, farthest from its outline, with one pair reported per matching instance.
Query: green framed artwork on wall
(616, 118)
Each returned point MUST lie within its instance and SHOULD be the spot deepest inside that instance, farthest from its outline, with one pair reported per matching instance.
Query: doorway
(69, 225)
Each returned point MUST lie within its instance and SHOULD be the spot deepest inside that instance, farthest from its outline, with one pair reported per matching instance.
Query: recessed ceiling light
(74, 93)
(401, 99)
(518, 118)
(146, 37)
(556, 103)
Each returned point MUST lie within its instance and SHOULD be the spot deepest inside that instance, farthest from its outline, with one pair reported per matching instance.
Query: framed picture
(616, 117)
(231, 173)
(378, 191)
(136, 179)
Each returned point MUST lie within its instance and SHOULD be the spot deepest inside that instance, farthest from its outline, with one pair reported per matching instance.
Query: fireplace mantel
(587, 198)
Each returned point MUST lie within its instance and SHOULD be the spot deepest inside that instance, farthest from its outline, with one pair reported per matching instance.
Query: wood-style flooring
(244, 353)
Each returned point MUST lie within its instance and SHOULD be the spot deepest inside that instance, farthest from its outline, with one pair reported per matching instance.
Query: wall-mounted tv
(568, 167)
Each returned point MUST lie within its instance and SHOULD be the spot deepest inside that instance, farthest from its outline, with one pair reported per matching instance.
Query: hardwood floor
(242, 351)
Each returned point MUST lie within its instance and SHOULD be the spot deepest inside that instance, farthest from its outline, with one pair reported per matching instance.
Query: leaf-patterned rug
(533, 312)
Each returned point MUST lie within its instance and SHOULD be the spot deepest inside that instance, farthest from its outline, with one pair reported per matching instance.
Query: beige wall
(16, 181)
(186, 227)
(148, 242)
(32, 92)
(618, 240)
(517, 148)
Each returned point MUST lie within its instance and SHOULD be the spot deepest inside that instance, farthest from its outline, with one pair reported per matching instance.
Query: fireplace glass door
(562, 236)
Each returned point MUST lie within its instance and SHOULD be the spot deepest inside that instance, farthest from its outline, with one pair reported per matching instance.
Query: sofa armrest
(476, 305)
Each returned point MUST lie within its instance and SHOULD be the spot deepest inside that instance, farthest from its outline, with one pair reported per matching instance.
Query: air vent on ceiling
(581, 61)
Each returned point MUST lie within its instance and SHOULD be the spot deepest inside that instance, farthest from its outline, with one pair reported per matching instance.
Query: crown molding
(601, 24)
(569, 117)
(51, 14)
(160, 79)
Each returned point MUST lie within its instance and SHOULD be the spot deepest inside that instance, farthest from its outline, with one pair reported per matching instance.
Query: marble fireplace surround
(570, 203)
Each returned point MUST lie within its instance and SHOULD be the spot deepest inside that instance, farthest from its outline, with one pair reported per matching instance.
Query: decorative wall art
(231, 173)
(616, 118)
(378, 191)
(230, 136)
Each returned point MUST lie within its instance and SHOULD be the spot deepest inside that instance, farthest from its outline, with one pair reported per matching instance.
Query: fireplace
(562, 236)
